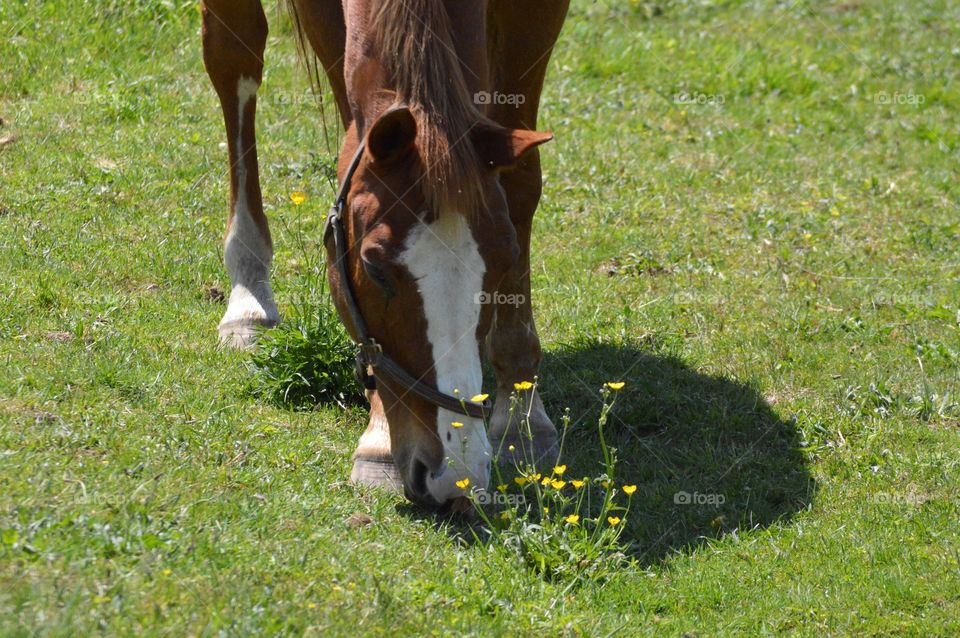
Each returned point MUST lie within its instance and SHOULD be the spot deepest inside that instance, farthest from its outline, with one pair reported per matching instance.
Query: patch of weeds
(927, 405)
(925, 349)
(44, 295)
(881, 402)
(306, 360)
(877, 400)
(564, 528)
(322, 164)
(634, 265)
(853, 325)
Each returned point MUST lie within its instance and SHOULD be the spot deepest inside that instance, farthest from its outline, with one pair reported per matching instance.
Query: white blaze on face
(444, 259)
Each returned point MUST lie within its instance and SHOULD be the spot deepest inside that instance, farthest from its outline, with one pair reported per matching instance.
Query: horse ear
(392, 134)
(501, 147)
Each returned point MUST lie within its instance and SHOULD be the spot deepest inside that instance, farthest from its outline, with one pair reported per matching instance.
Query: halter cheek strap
(370, 355)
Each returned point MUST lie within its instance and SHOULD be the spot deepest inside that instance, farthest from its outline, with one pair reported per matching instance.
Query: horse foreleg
(234, 37)
(514, 343)
(372, 460)
(521, 36)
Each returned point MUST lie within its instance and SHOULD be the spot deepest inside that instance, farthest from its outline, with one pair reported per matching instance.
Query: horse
(430, 232)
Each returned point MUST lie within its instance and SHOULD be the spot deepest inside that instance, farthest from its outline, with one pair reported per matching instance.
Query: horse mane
(413, 40)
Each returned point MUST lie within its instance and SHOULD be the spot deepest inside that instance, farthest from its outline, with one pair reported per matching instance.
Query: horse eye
(378, 274)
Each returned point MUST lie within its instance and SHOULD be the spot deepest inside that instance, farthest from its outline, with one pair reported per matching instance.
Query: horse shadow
(707, 453)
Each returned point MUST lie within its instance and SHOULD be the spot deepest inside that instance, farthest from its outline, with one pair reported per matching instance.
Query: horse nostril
(418, 484)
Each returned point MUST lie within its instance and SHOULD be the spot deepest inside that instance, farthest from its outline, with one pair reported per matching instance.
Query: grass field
(750, 216)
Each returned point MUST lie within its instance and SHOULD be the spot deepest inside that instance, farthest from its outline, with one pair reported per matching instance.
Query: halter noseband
(370, 353)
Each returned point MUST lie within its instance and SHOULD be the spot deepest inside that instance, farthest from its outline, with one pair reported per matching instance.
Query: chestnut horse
(431, 231)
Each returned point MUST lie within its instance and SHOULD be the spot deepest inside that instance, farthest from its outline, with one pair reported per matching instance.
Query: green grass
(773, 272)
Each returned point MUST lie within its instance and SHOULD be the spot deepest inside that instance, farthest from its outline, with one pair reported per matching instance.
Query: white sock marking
(246, 252)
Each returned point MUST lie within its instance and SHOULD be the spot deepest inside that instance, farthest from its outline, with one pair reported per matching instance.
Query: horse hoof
(377, 473)
(241, 333)
(518, 451)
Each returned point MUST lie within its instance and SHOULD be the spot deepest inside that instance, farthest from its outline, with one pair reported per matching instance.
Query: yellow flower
(559, 470)
(576, 484)
(505, 515)
(167, 572)
(463, 483)
(613, 520)
(629, 489)
(502, 487)
(546, 510)
(615, 385)
(479, 398)
(535, 477)
(519, 480)
(298, 197)
(606, 484)
(523, 385)
(546, 481)
(557, 484)
(456, 424)
(573, 519)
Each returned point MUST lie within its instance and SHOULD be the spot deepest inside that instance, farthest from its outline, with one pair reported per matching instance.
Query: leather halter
(370, 354)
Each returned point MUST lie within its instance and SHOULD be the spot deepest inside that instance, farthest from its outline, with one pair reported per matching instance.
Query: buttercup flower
(615, 385)
(559, 470)
(573, 519)
(576, 484)
(613, 520)
(535, 477)
(502, 487)
(546, 481)
(479, 398)
(505, 515)
(522, 385)
(298, 197)
(462, 484)
(557, 484)
(519, 480)
(606, 484)
(629, 489)
(456, 424)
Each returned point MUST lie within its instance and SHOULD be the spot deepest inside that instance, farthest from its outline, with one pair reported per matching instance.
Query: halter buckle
(333, 217)
(368, 356)
(370, 353)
